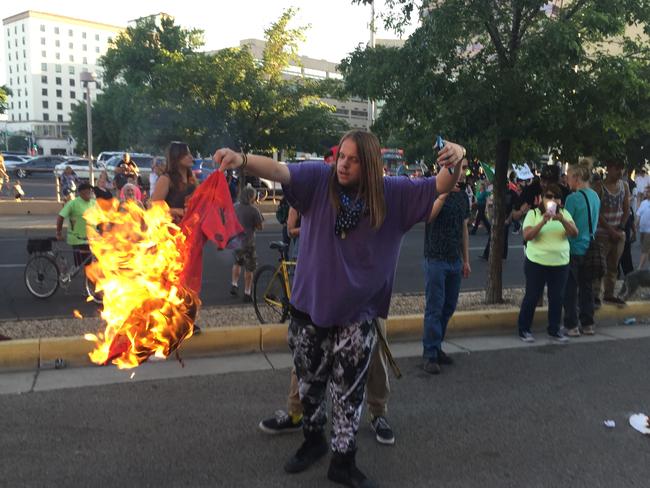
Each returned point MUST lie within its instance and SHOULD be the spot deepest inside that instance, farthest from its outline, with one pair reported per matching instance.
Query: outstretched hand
(450, 155)
(227, 159)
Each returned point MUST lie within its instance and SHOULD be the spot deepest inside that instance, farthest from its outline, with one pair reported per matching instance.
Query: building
(354, 111)
(44, 57)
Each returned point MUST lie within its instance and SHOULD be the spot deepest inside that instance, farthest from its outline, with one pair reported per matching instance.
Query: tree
(5, 93)
(505, 77)
(160, 88)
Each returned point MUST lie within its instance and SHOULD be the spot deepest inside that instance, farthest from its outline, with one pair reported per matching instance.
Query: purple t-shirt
(344, 281)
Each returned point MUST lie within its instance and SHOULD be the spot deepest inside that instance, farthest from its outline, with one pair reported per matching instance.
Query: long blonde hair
(371, 186)
(582, 168)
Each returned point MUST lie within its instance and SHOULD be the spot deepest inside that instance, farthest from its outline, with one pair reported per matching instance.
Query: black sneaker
(384, 433)
(248, 298)
(597, 303)
(234, 290)
(443, 358)
(197, 330)
(343, 470)
(280, 423)
(312, 449)
(431, 366)
(615, 301)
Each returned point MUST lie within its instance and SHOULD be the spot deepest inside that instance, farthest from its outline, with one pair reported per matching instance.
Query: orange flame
(139, 258)
(77, 314)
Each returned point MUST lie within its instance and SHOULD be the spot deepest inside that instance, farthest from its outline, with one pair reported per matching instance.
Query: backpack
(282, 213)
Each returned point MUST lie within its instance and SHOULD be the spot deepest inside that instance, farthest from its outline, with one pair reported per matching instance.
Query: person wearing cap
(74, 211)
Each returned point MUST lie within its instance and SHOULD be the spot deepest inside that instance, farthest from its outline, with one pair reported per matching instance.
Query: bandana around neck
(349, 214)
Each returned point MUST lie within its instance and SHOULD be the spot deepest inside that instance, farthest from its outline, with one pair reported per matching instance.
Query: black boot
(343, 470)
(313, 448)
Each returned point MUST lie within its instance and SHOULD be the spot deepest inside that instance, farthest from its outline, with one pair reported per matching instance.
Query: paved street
(16, 302)
(506, 415)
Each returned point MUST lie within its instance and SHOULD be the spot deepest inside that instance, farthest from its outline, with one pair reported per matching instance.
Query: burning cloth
(149, 270)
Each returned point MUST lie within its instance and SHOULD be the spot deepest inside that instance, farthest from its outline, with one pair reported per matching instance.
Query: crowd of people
(345, 220)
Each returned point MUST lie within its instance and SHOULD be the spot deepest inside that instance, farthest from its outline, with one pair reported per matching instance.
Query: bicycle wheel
(97, 296)
(41, 276)
(269, 296)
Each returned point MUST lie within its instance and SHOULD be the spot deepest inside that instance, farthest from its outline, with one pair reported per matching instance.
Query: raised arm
(260, 166)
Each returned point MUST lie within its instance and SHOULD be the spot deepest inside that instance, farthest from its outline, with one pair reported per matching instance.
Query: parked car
(106, 155)
(79, 166)
(11, 160)
(39, 164)
(142, 160)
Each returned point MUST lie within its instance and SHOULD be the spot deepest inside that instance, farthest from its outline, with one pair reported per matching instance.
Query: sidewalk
(50, 378)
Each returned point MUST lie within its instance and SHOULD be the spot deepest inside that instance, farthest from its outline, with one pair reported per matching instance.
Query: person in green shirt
(546, 232)
(74, 212)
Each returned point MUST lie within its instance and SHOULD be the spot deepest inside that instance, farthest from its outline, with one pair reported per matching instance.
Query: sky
(337, 26)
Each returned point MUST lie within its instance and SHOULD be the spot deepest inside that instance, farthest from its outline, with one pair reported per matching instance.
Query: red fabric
(209, 215)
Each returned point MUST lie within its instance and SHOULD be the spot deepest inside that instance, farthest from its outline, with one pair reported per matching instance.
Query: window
(10, 70)
(19, 92)
(43, 41)
(19, 118)
(8, 32)
(97, 37)
(16, 42)
(70, 32)
(57, 56)
(24, 54)
(71, 69)
(42, 28)
(26, 116)
(22, 27)
(12, 105)
(19, 104)
(26, 104)
(11, 81)
(98, 85)
(12, 117)
(59, 106)
(24, 66)
(71, 58)
(25, 78)
(15, 29)
(9, 56)
(85, 60)
(46, 117)
(46, 104)
(83, 35)
(73, 95)
(57, 68)
(84, 95)
(71, 82)
(97, 49)
(71, 45)
(58, 80)
(59, 93)
(59, 118)
(44, 92)
(57, 43)
(84, 47)
(56, 30)
(44, 54)
(23, 41)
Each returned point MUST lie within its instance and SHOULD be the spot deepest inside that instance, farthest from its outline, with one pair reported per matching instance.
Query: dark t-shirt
(443, 238)
(250, 218)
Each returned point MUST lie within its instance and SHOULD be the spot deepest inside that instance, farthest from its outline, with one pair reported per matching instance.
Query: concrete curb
(30, 354)
(30, 207)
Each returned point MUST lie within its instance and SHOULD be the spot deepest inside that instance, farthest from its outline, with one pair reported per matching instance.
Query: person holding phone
(547, 229)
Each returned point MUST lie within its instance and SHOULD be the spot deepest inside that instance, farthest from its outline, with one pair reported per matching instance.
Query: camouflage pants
(340, 355)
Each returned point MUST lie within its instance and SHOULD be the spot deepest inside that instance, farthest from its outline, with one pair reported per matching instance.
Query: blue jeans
(442, 288)
(537, 275)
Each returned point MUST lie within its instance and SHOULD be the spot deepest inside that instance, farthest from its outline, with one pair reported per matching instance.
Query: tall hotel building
(44, 56)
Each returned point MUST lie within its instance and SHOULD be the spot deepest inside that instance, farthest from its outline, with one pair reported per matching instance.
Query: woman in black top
(178, 182)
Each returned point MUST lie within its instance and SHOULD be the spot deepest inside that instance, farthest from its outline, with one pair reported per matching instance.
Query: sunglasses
(550, 196)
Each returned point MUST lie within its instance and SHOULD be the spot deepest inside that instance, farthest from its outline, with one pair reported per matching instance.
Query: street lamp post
(88, 78)
(371, 44)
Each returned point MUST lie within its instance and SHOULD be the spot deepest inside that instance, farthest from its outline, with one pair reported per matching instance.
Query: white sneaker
(575, 332)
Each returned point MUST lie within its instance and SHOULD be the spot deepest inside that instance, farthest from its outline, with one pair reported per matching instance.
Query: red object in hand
(209, 215)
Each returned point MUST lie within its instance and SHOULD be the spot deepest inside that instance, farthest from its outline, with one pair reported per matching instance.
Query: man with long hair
(353, 221)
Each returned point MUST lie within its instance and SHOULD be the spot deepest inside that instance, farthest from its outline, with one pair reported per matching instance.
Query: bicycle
(48, 268)
(272, 287)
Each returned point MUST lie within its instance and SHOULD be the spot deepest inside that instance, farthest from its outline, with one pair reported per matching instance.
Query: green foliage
(506, 79)
(5, 93)
(207, 99)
